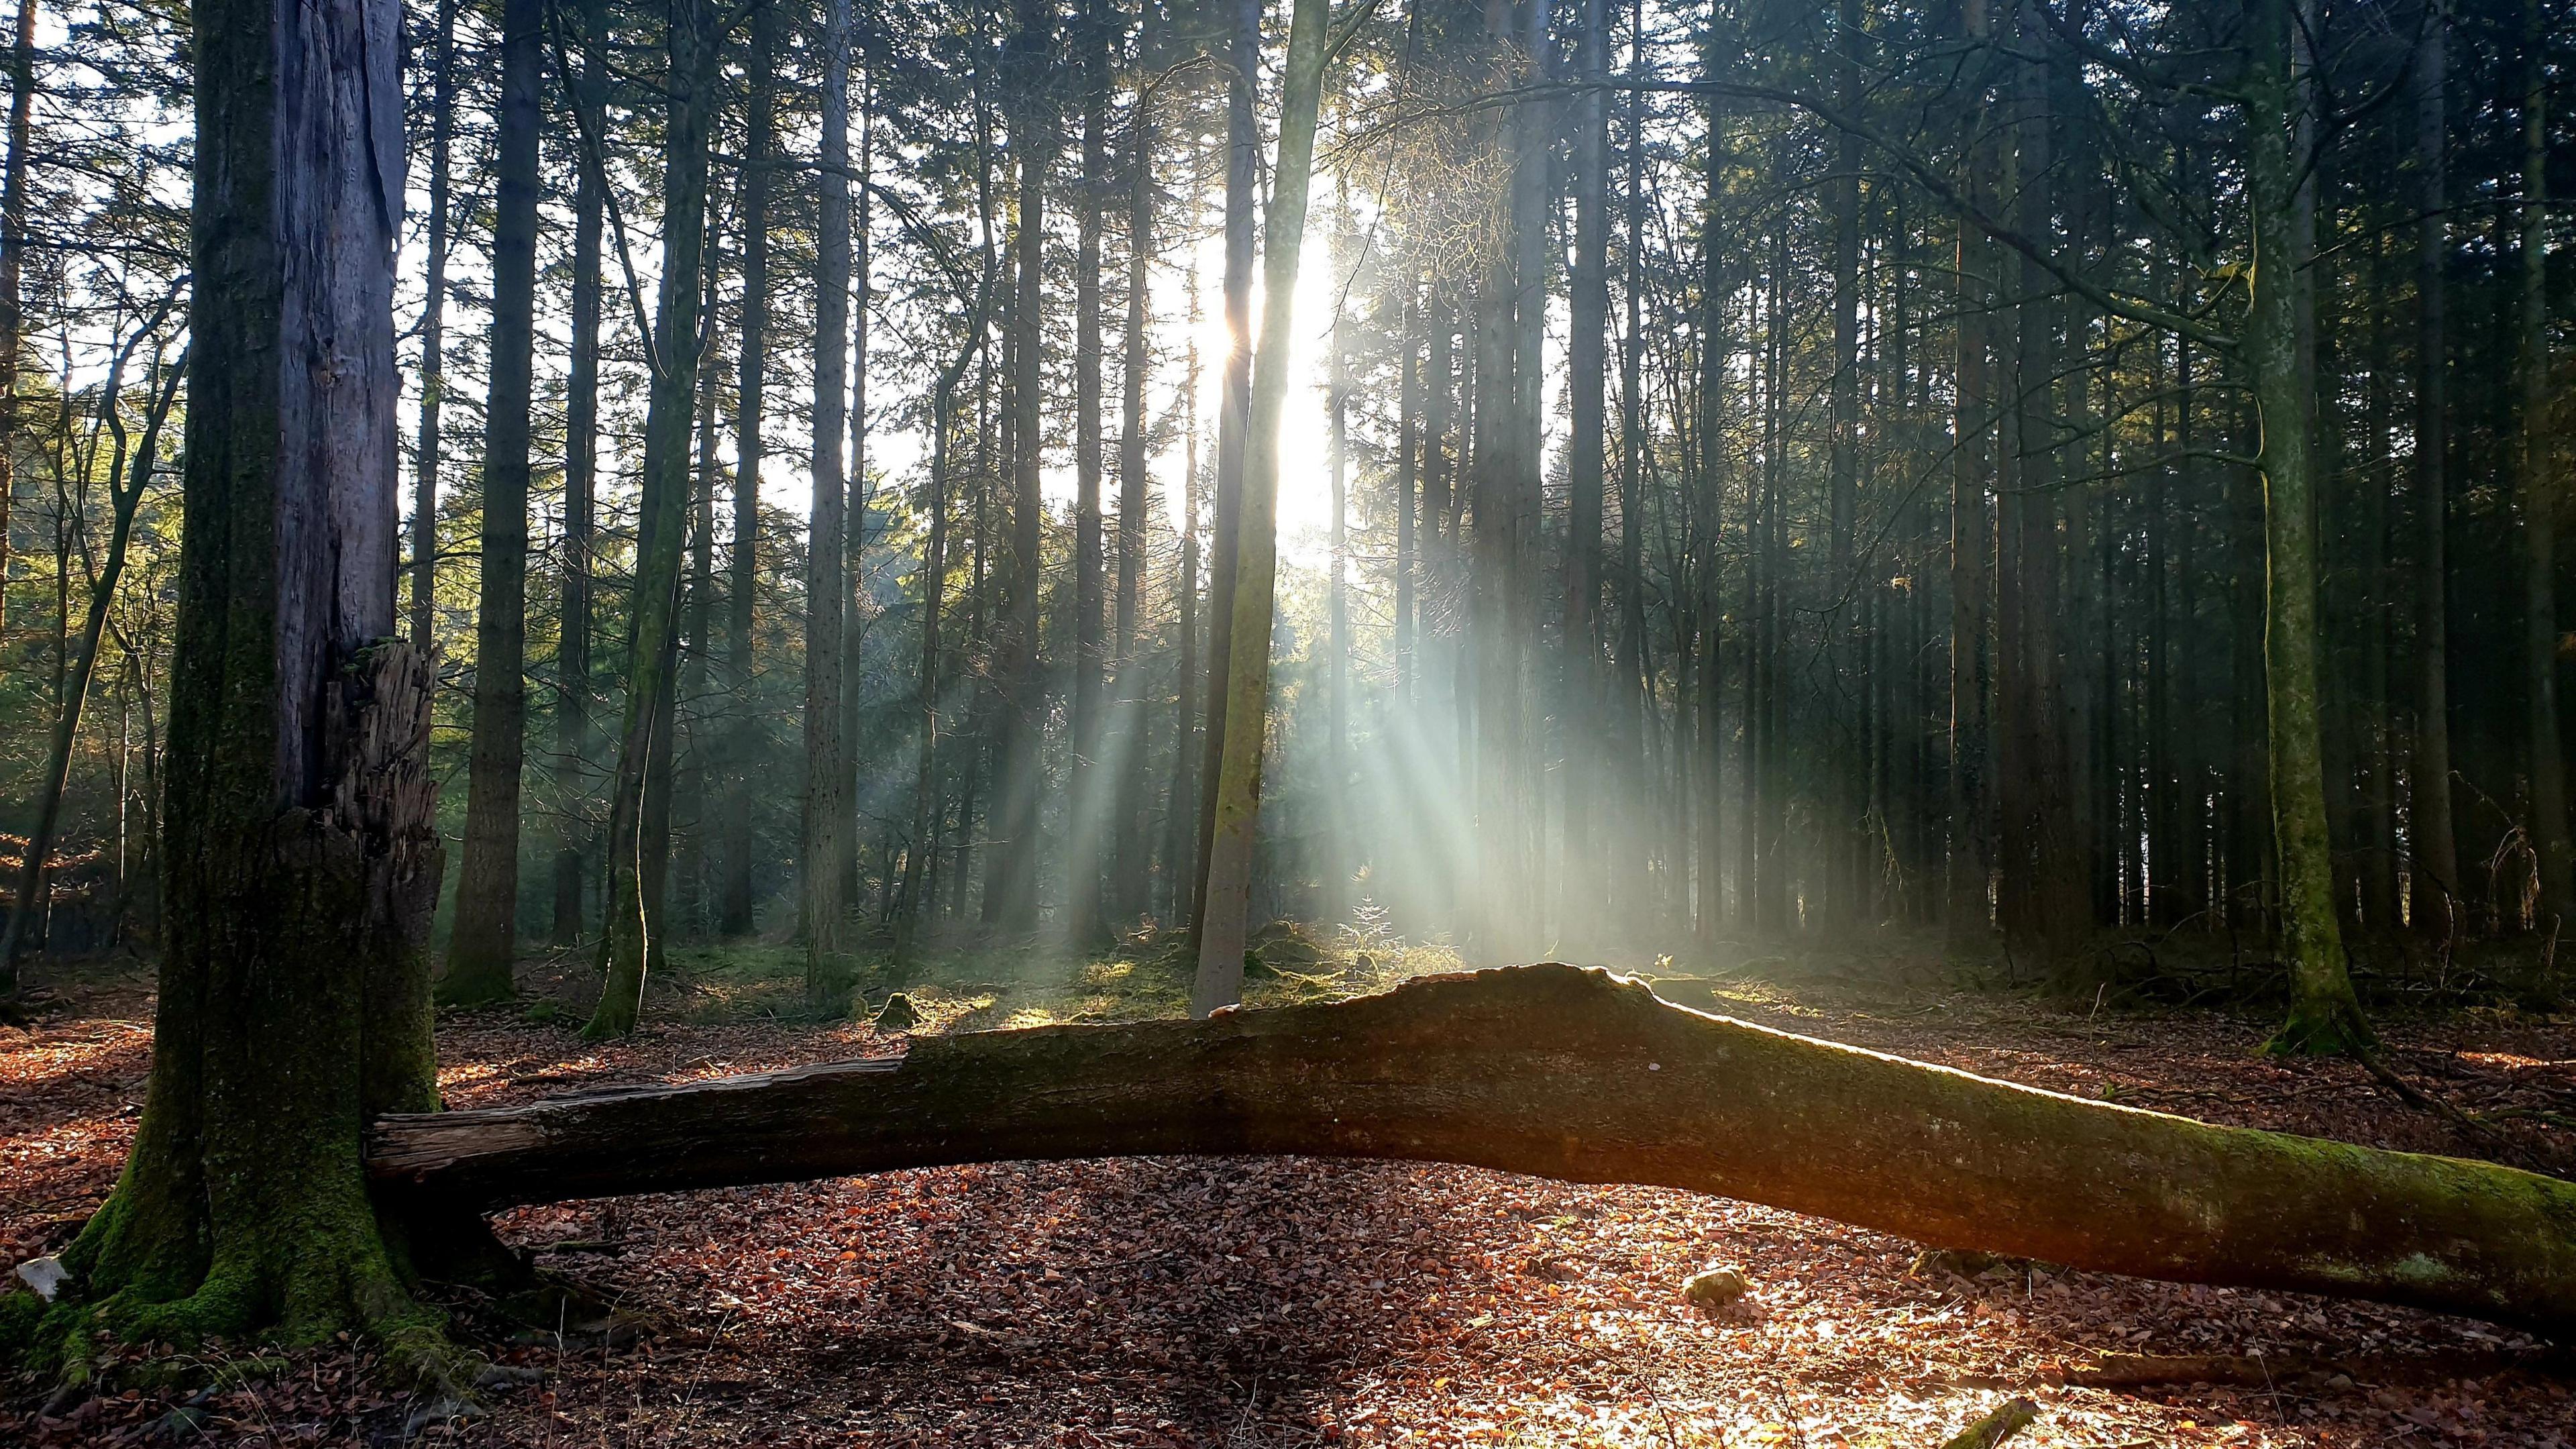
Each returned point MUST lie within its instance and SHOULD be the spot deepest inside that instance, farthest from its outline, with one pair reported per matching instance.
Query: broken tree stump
(1579, 1076)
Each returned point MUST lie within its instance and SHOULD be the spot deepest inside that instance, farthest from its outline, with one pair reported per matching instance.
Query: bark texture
(303, 854)
(1579, 1076)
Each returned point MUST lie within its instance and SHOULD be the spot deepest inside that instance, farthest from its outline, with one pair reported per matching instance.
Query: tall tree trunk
(1233, 412)
(1238, 808)
(1333, 863)
(1010, 882)
(1969, 914)
(1587, 374)
(1131, 855)
(13, 249)
(733, 853)
(1630, 743)
(1089, 802)
(2539, 496)
(433, 337)
(303, 853)
(825, 824)
(573, 727)
(1843, 801)
(2433, 866)
(1181, 858)
(2324, 1014)
(485, 939)
(639, 804)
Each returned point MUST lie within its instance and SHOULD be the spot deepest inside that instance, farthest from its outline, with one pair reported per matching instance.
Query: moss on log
(1580, 1076)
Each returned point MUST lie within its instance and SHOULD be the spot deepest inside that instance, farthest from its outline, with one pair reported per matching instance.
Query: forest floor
(1285, 1302)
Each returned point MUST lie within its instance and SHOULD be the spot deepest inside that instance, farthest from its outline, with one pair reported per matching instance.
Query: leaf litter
(1290, 1302)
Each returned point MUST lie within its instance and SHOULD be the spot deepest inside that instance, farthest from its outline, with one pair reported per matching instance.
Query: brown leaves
(1193, 1302)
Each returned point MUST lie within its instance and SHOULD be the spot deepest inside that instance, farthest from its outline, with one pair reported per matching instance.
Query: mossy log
(1579, 1076)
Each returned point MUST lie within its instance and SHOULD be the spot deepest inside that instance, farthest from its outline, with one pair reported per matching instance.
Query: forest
(1192, 721)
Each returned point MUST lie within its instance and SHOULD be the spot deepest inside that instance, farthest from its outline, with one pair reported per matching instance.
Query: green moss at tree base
(2322, 1029)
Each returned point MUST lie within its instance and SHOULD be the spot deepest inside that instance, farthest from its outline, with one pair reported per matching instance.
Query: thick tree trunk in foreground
(303, 853)
(1583, 1077)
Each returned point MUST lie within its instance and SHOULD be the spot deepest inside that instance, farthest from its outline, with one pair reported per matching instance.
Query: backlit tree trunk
(1238, 807)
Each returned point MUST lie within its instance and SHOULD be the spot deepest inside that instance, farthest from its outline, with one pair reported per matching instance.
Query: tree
(733, 892)
(1219, 981)
(826, 822)
(639, 802)
(2550, 840)
(433, 334)
(13, 252)
(485, 941)
(303, 855)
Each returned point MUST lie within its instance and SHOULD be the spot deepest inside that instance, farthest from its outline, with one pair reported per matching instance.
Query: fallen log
(1579, 1076)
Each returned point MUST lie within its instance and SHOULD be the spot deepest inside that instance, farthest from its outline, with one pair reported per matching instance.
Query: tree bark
(733, 888)
(1010, 882)
(2433, 865)
(1578, 1076)
(1219, 981)
(1233, 411)
(573, 729)
(1131, 857)
(825, 827)
(1090, 802)
(484, 942)
(2325, 1016)
(1969, 912)
(1587, 375)
(2546, 750)
(13, 248)
(639, 805)
(433, 337)
(303, 852)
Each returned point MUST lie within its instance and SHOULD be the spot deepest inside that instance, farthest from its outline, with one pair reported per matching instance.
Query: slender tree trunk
(1234, 409)
(2539, 497)
(13, 246)
(303, 853)
(862, 503)
(1587, 374)
(1630, 852)
(1085, 881)
(1969, 914)
(825, 824)
(485, 940)
(733, 854)
(640, 800)
(573, 728)
(2433, 866)
(433, 337)
(1010, 883)
(1334, 862)
(1844, 751)
(1229, 886)
(2324, 1014)
(1132, 861)
(1181, 811)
